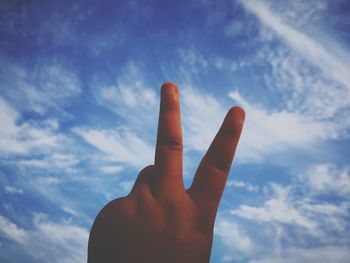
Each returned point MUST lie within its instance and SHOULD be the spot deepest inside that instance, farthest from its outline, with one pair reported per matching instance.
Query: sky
(79, 102)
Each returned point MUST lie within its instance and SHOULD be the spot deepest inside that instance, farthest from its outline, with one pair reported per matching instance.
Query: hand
(159, 220)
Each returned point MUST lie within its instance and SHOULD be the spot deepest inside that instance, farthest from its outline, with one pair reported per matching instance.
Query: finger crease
(219, 164)
(171, 143)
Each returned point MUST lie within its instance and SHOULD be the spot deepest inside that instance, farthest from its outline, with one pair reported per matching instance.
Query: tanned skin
(160, 221)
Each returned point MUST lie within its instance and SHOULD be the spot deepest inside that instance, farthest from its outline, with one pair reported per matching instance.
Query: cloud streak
(331, 64)
(57, 242)
(120, 146)
(278, 209)
(47, 85)
(24, 138)
(298, 213)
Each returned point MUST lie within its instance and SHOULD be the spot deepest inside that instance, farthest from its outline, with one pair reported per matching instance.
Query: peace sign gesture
(159, 220)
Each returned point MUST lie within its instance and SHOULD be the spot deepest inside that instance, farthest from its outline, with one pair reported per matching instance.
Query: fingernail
(169, 89)
(238, 114)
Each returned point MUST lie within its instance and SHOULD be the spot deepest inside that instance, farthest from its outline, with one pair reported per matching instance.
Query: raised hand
(159, 220)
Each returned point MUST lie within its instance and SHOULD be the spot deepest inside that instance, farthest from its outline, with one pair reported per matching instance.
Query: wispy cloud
(327, 178)
(244, 185)
(120, 146)
(202, 116)
(233, 236)
(48, 241)
(111, 169)
(321, 56)
(12, 231)
(131, 99)
(322, 254)
(302, 87)
(24, 138)
(278, 209)
(192, 61)
(47, 85)
(268, 132)
(284, 206)
(307, 70)
(297, 213)
(58, 242)
(57, 162)
(13, 190)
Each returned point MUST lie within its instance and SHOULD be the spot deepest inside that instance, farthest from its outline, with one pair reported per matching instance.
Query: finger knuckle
(170, 143)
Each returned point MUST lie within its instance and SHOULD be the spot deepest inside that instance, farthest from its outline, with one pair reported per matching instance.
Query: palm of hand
(160, 221)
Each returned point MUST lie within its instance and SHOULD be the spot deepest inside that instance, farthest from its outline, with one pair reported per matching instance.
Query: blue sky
(79, 83)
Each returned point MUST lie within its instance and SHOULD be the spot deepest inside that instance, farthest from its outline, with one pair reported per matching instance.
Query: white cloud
(13, 190)
(45, 85)
(47, 181)
(277, 209)
(234, 28)
(8, 116)
(309, 72)
(300, 13)
(120, 146)
(232, 236)
(240, 184)
(135, 102)
(327, 178)
(49, 241)
(70, 210)
(137, 107)
(298, 216)
(192, 59)
(123, 96)
(58, 242)
(202, 115)
(329, 217)
(269, 132)
(330, 63)
(106, 41)
(12, 231)
(111, 169)
(31, 146)
(303, 87)
(323, 254)
(56, 161)
(27, 137)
